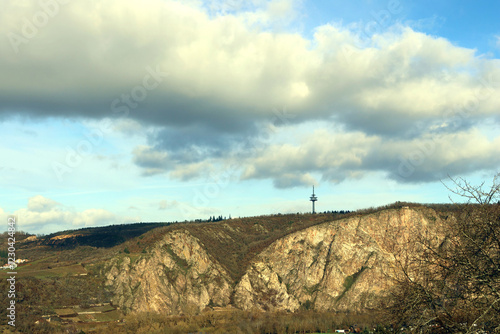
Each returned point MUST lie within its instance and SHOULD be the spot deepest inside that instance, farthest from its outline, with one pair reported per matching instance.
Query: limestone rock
(177, 276)
(342, 265)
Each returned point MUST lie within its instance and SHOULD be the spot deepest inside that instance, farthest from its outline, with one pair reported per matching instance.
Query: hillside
(290, 262)
(293, 262)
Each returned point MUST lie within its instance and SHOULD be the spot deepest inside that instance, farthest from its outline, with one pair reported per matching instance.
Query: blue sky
(115, 112)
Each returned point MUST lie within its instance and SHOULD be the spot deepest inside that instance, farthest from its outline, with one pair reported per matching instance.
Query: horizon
(114, 112)
(365, 210)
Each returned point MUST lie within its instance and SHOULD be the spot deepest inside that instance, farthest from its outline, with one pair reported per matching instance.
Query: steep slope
(347, 264)
(343, 265)
(177, 276)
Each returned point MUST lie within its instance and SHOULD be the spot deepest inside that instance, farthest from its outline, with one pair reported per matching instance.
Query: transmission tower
(313, 199)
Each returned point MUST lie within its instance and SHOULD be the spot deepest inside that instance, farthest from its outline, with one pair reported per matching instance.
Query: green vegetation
(180, 262)
(350, 280)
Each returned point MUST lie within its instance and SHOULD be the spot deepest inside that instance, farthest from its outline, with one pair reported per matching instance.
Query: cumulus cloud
(39, 203)
(44, 215)
(201, 77)
(164, 204)
(209, 76)
(336, 157)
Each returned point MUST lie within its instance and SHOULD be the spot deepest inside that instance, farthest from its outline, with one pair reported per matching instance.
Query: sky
(124, 111)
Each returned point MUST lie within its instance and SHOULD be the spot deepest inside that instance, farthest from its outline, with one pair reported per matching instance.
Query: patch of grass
(41, 272)
(108, 316)
(181, 263)
(350, 280)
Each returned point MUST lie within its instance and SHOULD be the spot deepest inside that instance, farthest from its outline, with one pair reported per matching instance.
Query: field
(43, 268)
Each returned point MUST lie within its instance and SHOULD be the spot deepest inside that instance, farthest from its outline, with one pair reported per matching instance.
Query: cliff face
(176, 276)
(341, 265)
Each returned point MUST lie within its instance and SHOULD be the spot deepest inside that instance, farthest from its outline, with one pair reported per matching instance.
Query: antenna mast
(313, 199)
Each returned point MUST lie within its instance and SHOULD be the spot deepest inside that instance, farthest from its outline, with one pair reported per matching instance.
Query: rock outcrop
(342, 265)
(347, 264)
(176, 276)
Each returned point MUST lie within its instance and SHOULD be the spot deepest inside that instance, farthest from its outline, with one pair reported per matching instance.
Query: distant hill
(102, 237)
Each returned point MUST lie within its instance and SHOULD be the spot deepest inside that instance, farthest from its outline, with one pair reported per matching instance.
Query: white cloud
(337, 156)
(193, 170)
(44, 215)
(39, 203)
(226, 74)
(164, 205)
(234, 70)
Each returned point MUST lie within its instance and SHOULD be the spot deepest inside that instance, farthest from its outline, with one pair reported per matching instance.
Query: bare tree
(475, 194)
(455, 284)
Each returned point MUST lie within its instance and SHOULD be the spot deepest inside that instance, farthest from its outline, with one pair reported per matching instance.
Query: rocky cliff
(175, 276)
(347, 264)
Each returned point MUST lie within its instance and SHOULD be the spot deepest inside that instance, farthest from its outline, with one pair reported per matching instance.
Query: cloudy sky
(117, 111)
